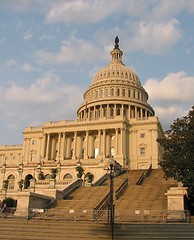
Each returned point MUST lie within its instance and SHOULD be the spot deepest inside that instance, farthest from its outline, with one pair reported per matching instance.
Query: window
(11, 182)
(129, 93)
(133, 94)
(112, 91)
(112, 151)
(95, 152)
(111, 111)
(100, 92)
(118, 111)
(118, 92)
(142, 151)
(123, 92)
(142, 135)
(67, 176)
(33, 142)
(33, 157)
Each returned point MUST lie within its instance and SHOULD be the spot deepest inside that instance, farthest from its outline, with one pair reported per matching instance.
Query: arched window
(118, 92)
(27, 181)
(48, 176)
(11, 182)
(67, 176)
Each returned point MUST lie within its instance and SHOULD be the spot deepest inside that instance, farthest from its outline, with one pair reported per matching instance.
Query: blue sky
(51, 50)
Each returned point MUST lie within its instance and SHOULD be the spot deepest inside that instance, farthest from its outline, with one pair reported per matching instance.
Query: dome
(115, 90)
(116, 70)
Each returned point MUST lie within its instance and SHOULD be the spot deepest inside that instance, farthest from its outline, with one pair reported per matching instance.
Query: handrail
(101, 205)
(149, 170)
(144, 175)
(121, 189)
(140, 180)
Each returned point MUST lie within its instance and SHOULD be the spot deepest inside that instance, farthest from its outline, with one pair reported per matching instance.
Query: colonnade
(89, 144)
(111, 110)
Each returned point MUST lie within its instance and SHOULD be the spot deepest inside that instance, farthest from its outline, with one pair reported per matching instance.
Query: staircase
(139, 203)
(144, 202)
(20, 229)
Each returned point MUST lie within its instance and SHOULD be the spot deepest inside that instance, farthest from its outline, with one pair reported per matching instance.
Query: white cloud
(27, 35)
(171, 96)
(73, 51)
(26, 67)
(45, 100)
(11, 62)
(153, 37)
(82, 11)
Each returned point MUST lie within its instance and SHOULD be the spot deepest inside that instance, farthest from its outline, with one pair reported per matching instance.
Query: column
(48, 146)
(39, 150)
(86, 146)
(129, 111)
(135, 112)
(116, 142)
(28, 150)
(141, 113)
(122, 110)
(75, 145)
(104, 142)
(63, 152)
(43, 150)
(99, 142)
(59, 147)
(115, 110)
(100, 113)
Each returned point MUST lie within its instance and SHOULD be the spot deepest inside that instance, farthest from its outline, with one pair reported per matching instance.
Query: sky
(50, 50)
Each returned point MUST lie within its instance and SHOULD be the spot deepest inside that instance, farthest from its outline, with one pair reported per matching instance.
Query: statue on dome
(117, 42)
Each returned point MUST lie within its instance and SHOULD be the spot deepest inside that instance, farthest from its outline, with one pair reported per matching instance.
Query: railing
(141, 179)
(120, 216)
(149, 170)
(177, 216)
(144, 175)
(120, 191)
(102, 205)
(100, 180)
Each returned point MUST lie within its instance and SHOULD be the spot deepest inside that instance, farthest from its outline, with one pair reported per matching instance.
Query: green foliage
(178, 157)
(80, 171)
(41, 175)
(89, 177)
(10, 202)
(54, 172)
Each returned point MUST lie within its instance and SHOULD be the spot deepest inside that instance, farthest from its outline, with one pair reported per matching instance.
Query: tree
(80, 171)
(178, 145)
(54, 172)
(89, 177)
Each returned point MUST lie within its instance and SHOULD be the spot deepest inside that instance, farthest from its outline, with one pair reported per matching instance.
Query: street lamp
(111, 169)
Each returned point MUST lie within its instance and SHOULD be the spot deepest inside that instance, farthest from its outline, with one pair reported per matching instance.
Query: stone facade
(114, 120)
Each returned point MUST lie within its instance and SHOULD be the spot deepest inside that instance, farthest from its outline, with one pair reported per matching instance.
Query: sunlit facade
(115, 119)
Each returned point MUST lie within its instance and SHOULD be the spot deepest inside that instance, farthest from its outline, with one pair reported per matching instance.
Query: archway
(48, 176)
(11, 182)
(67, 176)
(27, 181)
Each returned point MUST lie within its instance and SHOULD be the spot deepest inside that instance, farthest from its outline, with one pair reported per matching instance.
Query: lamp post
(111, 169)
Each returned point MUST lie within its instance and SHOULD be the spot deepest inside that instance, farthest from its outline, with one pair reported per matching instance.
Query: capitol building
(114, 120)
